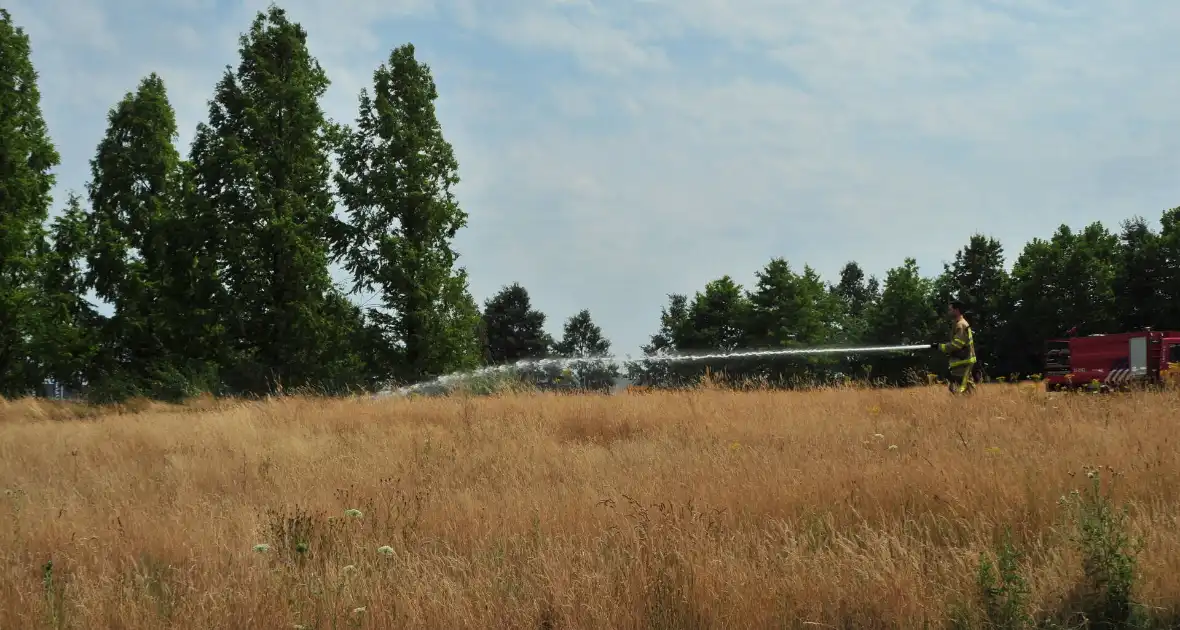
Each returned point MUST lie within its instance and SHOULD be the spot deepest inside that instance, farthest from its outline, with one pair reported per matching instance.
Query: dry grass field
(706, 509)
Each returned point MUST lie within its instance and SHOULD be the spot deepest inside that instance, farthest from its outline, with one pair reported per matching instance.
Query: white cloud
(612, 152)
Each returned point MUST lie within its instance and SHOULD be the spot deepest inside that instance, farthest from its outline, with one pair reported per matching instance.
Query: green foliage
(396, 178)
(1004, 590)
(133, 189)
(1057, 284)
(719, 316)
(1140, 271)
(262, 167)
(674, 325)
(854, 296)
(716, 320)
(793, 310)
(217, 266)
(27, 156)
(1104, 596)
(1109, 554)
(55, 600)
(903, 315)
(789, 310)
(134, 194)
(1168, 288)
(511, 329)
(583, 339)
(66, 338)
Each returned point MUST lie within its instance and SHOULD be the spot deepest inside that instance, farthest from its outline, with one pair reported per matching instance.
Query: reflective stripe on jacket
(961, 348)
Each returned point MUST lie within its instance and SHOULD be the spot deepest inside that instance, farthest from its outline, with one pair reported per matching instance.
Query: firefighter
(960, 350)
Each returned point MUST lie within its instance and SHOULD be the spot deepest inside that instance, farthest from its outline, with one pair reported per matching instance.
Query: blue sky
(613, 152)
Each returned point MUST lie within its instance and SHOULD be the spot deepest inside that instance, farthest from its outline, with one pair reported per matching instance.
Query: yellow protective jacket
(961, 348)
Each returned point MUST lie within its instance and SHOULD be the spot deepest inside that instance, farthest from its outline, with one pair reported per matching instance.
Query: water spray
(685, 357)
(678, 357)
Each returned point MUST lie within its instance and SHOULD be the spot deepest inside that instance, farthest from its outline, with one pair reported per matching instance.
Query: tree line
(217, 263)
(1084, 282)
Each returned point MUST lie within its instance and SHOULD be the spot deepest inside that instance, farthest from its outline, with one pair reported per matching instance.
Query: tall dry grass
(847, 509)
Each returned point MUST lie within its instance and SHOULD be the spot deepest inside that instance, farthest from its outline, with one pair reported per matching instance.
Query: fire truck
(1115, 361)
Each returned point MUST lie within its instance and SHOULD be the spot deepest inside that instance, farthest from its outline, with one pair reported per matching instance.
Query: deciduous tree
(135, 193)
(27, 155)
(397, 174)
(262, 171)
(582, 339)
(512, 329)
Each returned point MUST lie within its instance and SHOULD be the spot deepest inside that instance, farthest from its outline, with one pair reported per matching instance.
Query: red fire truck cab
(1112, 361)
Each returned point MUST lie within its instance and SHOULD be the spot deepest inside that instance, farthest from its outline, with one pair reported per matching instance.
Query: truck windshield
(1174, 354)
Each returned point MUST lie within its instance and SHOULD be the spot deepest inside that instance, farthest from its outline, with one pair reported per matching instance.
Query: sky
(613, 152)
